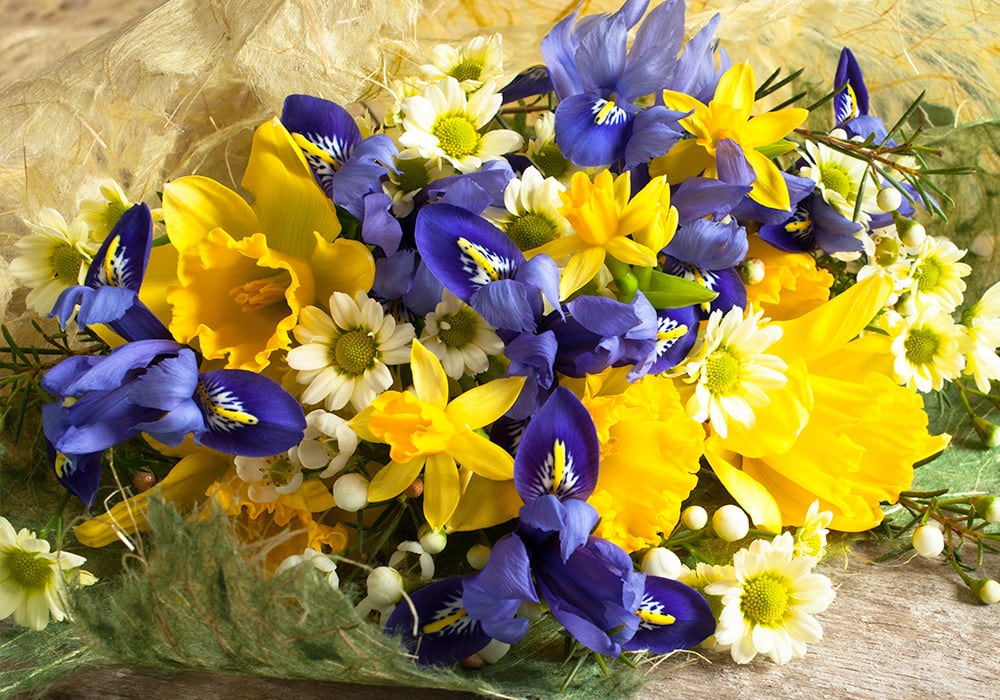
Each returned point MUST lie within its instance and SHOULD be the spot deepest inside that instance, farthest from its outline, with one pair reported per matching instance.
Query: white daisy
(327, 444)
(269, 477)
(531, 217)
(983, 322)
(481, 59)
(543, 151)
(769, 603)
(53, 257)
(810, 536)
(732, 373)
(409, 177)
(928, 350)
(33, 580)
(838, 178)
(101, 215)
(445, 123)
(699, 578)
(937, 275)
(459, 337)
(343, 358)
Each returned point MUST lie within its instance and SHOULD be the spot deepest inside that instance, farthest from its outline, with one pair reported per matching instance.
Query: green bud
(988, 508)
(988, 432)
(986, 589)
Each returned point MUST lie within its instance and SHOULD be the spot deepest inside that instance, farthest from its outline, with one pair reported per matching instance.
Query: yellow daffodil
(245, 271)
(427, 433)
(863, 435)
(792, 284)
(606, 221)
(727, 116)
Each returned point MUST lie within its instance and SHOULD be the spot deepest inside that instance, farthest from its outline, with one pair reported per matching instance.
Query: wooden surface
(908, 631)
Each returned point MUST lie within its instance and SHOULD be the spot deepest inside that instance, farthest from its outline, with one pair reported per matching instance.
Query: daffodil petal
(479, 455)
(580, 269)
(484, 404)
(628, 251)
(765, 129)
(442, 489)
(686, 159)
(736, 89)
(194, 205)
(748, 492)
(769, 189)
(287, 200)
(341, 266)
(393, 479)
(485, 503)
(429, 379)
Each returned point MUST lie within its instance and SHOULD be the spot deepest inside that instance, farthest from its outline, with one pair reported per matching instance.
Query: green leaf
(670, 292)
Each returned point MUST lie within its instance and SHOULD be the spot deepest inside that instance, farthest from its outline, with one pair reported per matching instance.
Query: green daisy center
(469, 69)
(113, 213)
(28, 569)
(928, 275)
(458, 329)
(921, 346)
(722, 371)
(550, 160)
(530, 231)
(765, 599)
(412, 175)
(355, 352)
(835, 177)
(457, 136)
(65, 263)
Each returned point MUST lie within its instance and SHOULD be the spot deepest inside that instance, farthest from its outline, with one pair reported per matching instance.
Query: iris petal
(672, 616)
(590, 131)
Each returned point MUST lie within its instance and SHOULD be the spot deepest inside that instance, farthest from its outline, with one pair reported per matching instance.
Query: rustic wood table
(900, 631)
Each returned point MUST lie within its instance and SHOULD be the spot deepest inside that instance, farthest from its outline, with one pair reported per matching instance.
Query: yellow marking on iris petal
(223, 412)
(470, 249)
(797, 226)
(438, 625)
(60, 464)
(109, 258)
(854, 102)
(673, 333)
(656, 618)
(314, 150)
(604, 112)
(558, 463)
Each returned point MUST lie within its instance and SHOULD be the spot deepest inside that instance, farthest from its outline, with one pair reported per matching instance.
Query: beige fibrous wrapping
(180, 90)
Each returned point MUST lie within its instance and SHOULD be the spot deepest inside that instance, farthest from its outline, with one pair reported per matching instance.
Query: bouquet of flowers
(611, 344)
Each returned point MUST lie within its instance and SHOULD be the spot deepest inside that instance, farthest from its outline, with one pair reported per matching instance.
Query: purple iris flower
(598, 80)
(850, 105)
(80, 474)
(154, 387)
(676, 333)
(110, 291)
(815, 224)
(480, 265)
(346, 166)
(473, 191)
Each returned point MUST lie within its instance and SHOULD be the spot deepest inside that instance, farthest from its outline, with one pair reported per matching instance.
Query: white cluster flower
(327, 444)
(269, 477)
(385, 589)
(321, 562)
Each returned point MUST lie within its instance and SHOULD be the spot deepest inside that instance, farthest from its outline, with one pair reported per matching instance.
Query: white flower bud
(889, 199)
(350, 492)
(433, 541)
(730, 523)
(530, 611)
(660, 561)
(911, 233)
(494, 651)
(986, 589)
(988, 508)
(928, 541)
(385, 586)
(983, 245)
(694, 518)
(753, 270)
(477, 556)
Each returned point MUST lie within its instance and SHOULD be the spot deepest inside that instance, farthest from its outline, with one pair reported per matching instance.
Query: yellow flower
(649, 456)
(727, 116)
(427, 433)
(603, 217)
(245, 270)
(792, 283)
(863, 435)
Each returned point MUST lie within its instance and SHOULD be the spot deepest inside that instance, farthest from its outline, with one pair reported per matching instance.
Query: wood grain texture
(908, 631)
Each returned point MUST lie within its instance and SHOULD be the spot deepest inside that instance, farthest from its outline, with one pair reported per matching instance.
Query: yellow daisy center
(468, 69)
(722, 371)
(928, 274)
(412, 175)
(114, 212)
(65, 263)
(836, 178)
(765, 599)
(550, 160)
(458, 329)
(530, 231)
(355, 352)
(27, 569)
(456, 135)
(921, 346)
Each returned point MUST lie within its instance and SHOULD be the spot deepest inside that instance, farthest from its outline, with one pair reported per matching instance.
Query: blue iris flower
(815, 224)
(155, 387)
(110, 291)
(598, 80)
(347, 166)
(589, 584)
